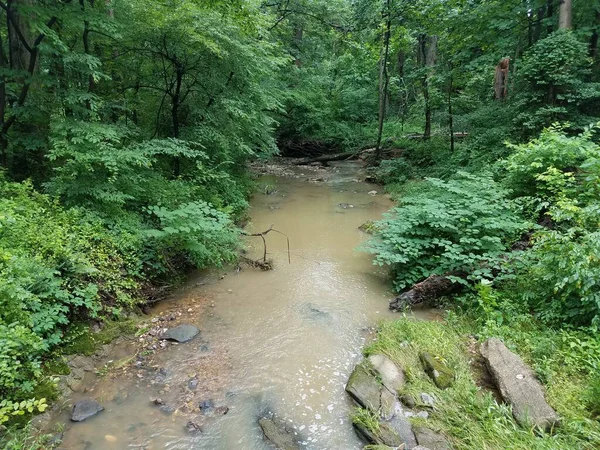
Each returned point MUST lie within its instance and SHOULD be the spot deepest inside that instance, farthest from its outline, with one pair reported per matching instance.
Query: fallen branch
(262, 236)
(328, 158)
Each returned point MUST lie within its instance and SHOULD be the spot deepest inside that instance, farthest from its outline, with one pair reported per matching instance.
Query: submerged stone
(181, 333)
(518, 386)
(277, 432)
(442, 375)
(84, 409)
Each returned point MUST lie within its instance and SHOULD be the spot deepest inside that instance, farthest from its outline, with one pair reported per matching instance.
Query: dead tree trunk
(501, 79)
(429, 289)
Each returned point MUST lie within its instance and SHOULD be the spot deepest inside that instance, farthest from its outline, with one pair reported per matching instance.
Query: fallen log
(431, 288)
(328, 158)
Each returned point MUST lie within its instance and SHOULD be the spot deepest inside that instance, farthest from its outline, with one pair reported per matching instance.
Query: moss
(442, 376)
(57, 366)
(82, 341)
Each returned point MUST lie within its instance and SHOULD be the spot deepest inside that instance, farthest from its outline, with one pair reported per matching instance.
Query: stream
(282, 341)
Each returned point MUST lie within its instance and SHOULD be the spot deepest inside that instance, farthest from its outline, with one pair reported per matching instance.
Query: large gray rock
(364, 387)
(389, 374)
(430, 439)
(181, 333)
(277, 432)
(518, 385)
(84, 409)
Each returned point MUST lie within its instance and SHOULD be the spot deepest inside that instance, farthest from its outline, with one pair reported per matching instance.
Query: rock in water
(84, 409)
(391, 377)
(430, 439)
(364, 387)
(278, 433)
(442, 375)
(518, 385)
(182, 333)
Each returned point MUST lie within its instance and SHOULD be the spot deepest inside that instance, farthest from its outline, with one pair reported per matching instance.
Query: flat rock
(364, 387)
(430, 439)
(84, 409)
(181, 333)
(402, 427)
(442, 375)
(277, 432)
(518, 386)
(391, 376)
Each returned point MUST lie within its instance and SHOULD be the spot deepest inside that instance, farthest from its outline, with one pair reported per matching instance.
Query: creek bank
(418, 375)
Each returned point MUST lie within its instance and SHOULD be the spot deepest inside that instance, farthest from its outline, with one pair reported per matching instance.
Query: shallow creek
(282, 341)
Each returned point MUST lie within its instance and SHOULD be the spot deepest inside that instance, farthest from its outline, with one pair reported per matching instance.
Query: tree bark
(384, 79)
(565, 15)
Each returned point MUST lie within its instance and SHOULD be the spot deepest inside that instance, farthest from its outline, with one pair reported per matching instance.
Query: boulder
(84, 409)
(430, 439)
(442, 375)
(389, 374)
(181, 333)
(518, 386)
(368, 392)
(277, 432)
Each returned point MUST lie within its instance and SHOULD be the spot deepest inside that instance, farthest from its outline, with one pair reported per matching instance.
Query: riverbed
(281, 341)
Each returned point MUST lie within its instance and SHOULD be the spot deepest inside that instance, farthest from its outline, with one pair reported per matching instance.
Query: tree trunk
(537, 31)
(427, 56)
(549, 15)
(565, 15)
(450, 115)
(384, 79)
(19, 36)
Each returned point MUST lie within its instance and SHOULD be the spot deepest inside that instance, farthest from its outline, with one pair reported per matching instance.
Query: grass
(468, 415)
(24, 439)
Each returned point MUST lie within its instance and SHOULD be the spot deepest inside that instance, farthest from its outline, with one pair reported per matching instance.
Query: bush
(461, 225)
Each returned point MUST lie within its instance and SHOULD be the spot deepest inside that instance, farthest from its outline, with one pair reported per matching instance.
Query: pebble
(110, 438)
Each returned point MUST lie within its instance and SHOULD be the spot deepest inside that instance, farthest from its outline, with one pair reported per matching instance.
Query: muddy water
(282, 341)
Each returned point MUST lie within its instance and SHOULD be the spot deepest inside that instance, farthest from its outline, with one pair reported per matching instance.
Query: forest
(126, 127)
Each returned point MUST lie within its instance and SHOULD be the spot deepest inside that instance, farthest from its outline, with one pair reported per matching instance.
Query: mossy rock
(442, 375)
(369, 227)
(384, 435)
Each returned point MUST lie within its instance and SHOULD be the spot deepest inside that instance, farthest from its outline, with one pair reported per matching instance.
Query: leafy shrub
(553, 83)
(205, 234)
(529, 162)
(461, 225)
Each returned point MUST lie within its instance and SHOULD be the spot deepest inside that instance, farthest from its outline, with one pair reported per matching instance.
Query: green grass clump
(468, 415)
